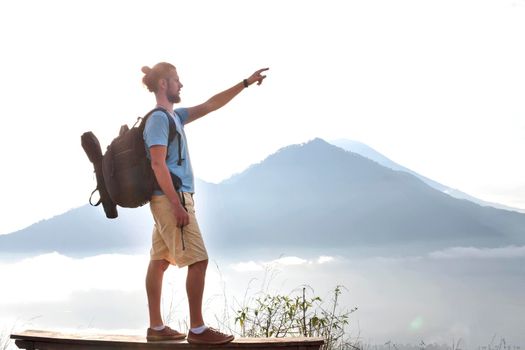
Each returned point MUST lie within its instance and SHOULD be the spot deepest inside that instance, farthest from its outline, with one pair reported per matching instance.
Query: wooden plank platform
(45, 340)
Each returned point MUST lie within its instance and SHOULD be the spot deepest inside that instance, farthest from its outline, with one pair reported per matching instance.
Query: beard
(173, 98)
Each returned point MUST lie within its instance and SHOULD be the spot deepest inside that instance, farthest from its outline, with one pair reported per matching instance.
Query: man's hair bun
(152, 75)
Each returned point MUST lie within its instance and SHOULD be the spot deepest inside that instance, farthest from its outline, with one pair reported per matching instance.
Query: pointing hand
(257, 77)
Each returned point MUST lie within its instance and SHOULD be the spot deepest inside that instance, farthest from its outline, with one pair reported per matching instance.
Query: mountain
(370, 153)
(317, 194)
(309, 196)
(81, 232)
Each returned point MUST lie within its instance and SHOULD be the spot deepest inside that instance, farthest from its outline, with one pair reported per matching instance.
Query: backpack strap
(173, 132)
(179, 137)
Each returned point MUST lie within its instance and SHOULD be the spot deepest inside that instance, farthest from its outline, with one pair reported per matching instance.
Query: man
(176, 237)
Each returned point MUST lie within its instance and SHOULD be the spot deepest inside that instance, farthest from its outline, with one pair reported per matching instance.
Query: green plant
(296, 315)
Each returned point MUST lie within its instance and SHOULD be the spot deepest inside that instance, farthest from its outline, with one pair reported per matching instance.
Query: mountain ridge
(308, 195)
(369, 152)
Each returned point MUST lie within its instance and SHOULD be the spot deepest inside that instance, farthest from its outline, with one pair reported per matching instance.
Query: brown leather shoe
(166, 334)
(209, 336)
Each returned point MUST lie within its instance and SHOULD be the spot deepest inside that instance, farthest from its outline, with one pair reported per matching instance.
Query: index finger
(261, 70)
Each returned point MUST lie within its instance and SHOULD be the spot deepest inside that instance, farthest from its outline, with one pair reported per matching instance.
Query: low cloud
(287, 261)
(479, 253)
(57, 276)
(405, 299)
(253, 266)
(248, 266)
(325, 259)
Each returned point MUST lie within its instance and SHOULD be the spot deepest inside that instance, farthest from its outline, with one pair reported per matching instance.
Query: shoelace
(216, 331)
(173, 331)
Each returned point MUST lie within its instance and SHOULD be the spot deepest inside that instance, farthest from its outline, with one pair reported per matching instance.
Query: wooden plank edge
(134, 341)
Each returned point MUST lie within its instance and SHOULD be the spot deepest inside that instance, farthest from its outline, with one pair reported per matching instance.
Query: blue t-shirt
(156, 132)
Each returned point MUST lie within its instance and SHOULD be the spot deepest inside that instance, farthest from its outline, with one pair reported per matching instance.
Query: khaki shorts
(178, 247)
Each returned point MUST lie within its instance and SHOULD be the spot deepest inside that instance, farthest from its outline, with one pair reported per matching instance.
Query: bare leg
(154, 277)
(195, 289)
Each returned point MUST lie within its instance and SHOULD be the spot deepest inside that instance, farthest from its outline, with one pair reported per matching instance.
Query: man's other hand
(181, 215)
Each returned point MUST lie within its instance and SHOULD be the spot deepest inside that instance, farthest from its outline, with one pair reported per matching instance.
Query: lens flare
(416, 324)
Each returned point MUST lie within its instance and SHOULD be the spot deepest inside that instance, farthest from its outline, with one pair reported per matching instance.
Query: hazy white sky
(437, 86)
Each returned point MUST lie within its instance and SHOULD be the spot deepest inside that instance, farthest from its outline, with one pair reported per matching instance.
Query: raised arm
(224, 97)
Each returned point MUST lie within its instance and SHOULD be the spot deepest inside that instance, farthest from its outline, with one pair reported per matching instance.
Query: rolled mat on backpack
(91, 146)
